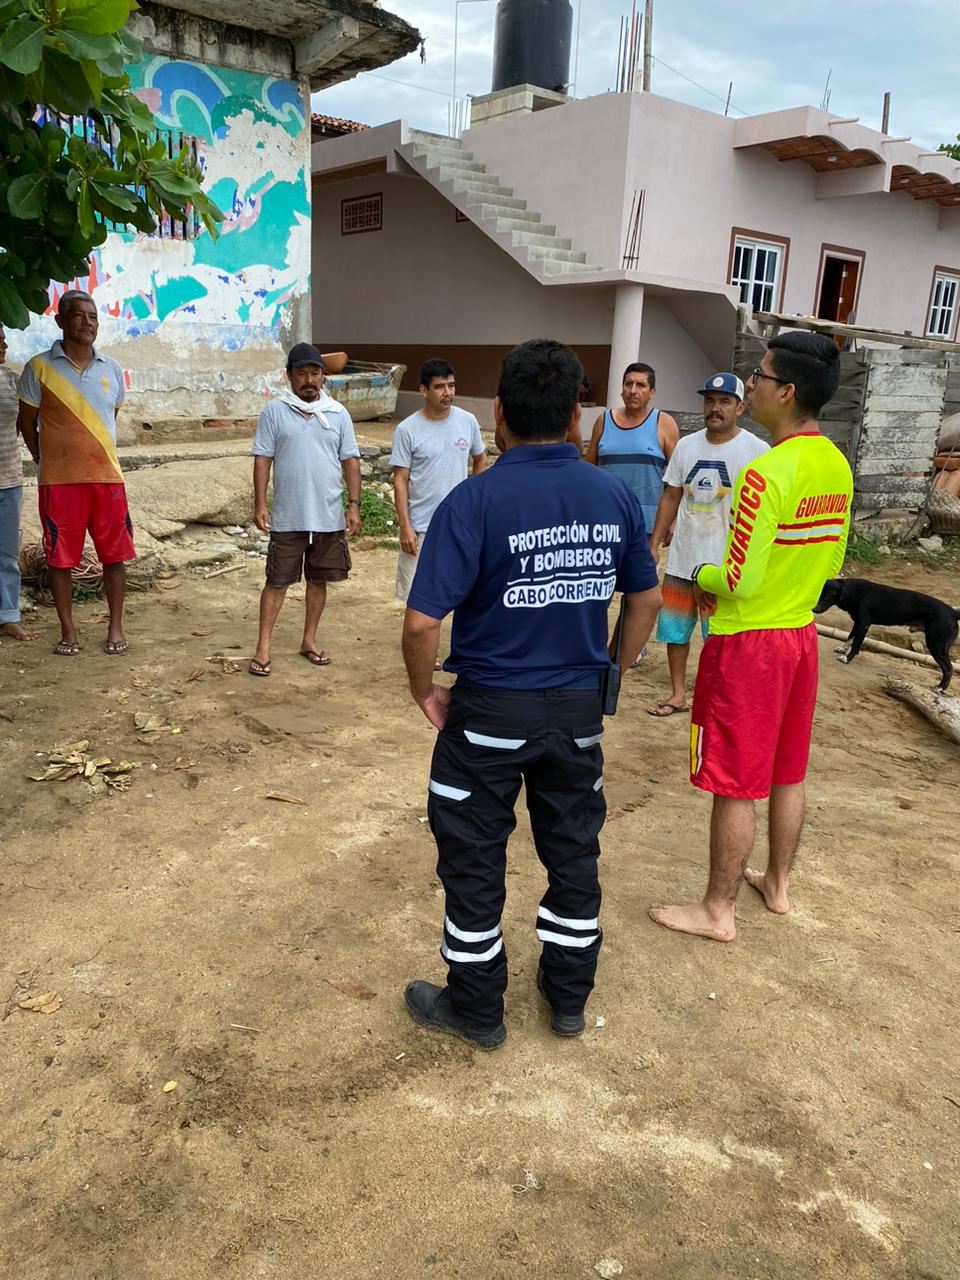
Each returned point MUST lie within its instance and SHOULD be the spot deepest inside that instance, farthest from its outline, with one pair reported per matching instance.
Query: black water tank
(532, 44)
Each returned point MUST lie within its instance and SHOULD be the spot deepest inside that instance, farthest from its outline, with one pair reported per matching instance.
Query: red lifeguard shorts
(752, 711)
(67, 511)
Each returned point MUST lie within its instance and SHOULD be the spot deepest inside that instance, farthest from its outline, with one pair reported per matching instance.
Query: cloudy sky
(777, 55)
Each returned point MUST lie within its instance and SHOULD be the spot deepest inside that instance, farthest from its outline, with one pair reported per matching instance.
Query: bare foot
(16, 632)
(696, 919)
(776, 902)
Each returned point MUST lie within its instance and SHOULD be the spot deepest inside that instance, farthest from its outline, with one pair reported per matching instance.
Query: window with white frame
(943, 306)
(756, 271)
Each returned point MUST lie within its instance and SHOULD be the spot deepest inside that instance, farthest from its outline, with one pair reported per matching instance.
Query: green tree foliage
(951, 148)
(56, 189)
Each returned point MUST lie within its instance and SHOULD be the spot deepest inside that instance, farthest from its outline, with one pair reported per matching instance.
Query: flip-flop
(67, 649)
(662, 712)
(258, 668)
(115, 647)
(315, 659)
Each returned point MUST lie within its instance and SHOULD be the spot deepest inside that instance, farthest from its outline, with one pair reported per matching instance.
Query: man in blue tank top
(527, 556)
(636, 442)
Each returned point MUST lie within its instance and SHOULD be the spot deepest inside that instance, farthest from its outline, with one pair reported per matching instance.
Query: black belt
(586, 684)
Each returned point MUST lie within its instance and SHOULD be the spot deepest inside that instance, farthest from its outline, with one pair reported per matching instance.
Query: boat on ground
(366, 390)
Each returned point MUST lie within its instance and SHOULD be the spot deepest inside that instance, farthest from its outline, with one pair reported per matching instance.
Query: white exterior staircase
(491, 206)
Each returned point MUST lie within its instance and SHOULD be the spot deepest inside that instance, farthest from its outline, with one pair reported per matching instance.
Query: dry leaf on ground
(152, 722)
(98, 772)
(49, 1002)
(195, 674)
(350, 987)
(285, 796)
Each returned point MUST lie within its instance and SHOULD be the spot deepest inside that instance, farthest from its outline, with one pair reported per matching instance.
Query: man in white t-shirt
(431, 453)
(697, 494)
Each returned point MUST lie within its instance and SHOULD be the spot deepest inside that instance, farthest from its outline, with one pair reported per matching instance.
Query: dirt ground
(786, 1106)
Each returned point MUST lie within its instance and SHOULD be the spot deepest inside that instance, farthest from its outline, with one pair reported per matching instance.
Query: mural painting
(190, 291)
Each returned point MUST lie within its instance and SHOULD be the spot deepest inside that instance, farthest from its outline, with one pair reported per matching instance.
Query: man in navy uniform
(527, 556)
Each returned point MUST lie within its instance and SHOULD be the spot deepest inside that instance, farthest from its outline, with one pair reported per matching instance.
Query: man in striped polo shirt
(756, 685)
(11, 496)
(69, 398)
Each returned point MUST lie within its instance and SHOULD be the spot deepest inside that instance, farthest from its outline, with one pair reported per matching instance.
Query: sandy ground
(786, 1106)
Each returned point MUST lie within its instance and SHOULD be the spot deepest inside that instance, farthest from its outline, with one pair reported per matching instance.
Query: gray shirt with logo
(307, 477)
(438, 457)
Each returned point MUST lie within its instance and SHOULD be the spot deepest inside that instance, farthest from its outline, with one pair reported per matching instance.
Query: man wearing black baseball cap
(697, 492)
(307, 439)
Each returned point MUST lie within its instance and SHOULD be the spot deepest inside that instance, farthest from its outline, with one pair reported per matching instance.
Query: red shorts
(67, 511)
(752, 711)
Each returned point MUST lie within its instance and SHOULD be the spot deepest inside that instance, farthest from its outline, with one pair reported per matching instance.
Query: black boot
(430, 1005)
(562, 1024)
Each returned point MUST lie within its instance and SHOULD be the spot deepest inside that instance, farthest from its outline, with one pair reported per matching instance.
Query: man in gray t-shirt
(431, 452)
(307, 439)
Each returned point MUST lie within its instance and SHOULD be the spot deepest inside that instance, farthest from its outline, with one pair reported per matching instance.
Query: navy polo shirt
(528, 555)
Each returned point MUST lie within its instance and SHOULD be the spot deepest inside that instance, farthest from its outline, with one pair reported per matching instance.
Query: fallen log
(939, 708)
(878, 646)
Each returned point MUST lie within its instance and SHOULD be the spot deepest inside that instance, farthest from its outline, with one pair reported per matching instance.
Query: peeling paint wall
(200, 325)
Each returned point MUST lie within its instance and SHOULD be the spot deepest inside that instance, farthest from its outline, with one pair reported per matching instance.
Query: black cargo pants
(494, 739)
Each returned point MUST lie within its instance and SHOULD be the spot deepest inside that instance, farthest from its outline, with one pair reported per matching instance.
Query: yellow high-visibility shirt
(789, 525)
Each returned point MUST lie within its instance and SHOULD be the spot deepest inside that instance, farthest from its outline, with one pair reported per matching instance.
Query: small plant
(85, 594)
(862, 550)
(378, 513)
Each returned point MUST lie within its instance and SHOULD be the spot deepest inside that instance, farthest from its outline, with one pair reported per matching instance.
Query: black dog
(870, 602)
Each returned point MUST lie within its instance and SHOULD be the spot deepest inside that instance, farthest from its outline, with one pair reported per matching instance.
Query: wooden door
(849, 279)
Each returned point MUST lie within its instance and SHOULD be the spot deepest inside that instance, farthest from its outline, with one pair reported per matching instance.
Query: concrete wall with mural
(199, 325)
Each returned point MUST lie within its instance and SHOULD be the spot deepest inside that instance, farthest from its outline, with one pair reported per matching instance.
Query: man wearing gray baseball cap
(697, 493)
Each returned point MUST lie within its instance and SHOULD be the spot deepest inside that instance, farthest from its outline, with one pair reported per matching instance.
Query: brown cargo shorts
(321, 557)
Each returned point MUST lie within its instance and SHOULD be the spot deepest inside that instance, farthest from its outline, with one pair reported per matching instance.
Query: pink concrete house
(631, 227)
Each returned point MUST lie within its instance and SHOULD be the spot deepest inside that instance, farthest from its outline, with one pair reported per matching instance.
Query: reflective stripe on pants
(548, 739)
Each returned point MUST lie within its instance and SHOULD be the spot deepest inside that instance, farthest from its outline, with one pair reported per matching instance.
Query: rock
(156, 526)
(217, 491)
(148, 547)
(234, 529)
(608, 1267)
(383, 464)
(933, 543)
(884, 550)
(178, 556)
(369, 450)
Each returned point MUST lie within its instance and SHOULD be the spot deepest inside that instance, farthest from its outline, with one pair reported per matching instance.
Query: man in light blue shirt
(307, 439)
(431, 455)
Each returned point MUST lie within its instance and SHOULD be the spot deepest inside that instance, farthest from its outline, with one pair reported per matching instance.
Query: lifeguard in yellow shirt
(756, 686)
